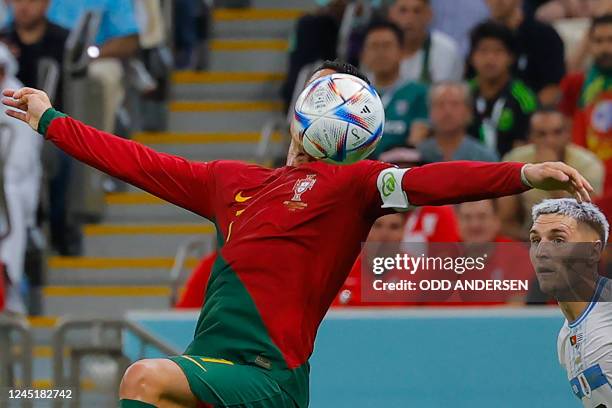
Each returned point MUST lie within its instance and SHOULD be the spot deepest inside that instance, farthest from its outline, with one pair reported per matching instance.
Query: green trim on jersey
(231, 328)
(527, 100)
(47, 118)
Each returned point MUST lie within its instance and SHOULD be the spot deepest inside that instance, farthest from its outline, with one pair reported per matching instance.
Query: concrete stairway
(216, 114)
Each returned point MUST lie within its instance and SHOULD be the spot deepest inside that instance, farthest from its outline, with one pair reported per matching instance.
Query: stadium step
(258, 55)
(253, 23)
(190, 85)
(210, 146)
(142, 240)
(111, 271)
(143, 207)
(290, 4)
(222, 116)
(103, 300)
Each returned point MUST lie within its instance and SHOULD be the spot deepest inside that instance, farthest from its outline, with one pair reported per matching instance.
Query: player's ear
(595, 253)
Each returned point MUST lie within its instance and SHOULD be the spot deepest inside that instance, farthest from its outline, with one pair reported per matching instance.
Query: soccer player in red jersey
(287, 239)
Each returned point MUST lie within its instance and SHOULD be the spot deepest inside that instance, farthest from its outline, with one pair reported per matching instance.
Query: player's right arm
(174, 179)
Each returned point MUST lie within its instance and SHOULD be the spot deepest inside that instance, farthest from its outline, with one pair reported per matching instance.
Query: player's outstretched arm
(460, 181)
(171, 178)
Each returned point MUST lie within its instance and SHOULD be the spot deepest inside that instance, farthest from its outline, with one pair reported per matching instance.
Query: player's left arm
(461, 181)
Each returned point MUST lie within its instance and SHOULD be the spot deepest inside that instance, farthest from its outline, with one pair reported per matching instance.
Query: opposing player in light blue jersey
(567, 240)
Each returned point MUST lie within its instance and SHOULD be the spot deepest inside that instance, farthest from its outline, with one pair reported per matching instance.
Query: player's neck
(577, 299)
(387, 79)
(514, 20)
(449, 142)
(572, 310)
(413, 44)
(32, 34)
(490, 88)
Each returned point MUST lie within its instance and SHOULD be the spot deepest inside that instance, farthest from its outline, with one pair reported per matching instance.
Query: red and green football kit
(287, 239)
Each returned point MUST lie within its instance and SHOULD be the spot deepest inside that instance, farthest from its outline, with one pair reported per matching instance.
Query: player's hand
(31, 104)
(558, 176)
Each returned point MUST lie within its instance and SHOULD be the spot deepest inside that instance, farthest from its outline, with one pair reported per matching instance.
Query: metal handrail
(97, 326)
(355, 9)
(265, 138)
(5, 152)
(203, 246)
(83, 36)
(282, 124)
(9, 324)
(48, 76)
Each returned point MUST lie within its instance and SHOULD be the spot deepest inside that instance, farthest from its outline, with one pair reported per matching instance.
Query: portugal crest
(301, 186)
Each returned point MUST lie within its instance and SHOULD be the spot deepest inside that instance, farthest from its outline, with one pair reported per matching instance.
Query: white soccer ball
(339, 118)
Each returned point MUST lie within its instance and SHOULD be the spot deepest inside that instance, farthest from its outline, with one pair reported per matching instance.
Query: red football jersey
(287, 237)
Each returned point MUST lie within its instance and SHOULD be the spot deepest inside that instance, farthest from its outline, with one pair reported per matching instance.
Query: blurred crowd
(490, 80)
(106, 62)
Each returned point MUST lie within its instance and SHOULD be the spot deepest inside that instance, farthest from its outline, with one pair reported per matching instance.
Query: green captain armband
(47, 118)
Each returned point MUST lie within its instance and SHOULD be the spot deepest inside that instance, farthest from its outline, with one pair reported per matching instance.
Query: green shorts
(222, 383)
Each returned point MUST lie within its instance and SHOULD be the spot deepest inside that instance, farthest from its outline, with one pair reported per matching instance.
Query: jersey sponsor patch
(389, 185)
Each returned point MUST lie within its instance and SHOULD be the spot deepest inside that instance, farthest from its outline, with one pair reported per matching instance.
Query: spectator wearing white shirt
(429, 55)
(20, 152)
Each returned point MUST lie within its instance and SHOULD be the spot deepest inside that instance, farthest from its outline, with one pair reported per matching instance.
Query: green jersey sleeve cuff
(47, 118)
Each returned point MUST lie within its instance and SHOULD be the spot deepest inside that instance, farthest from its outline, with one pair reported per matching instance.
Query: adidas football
(339, 118)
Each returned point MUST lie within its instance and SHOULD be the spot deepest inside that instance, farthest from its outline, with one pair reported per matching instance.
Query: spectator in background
(428, 223)
(117, 39)
(572, 20)
(32, 37)
(429, 55)
(315, 38)
(192, 295)
(20, 158)
(450, 114)
(388, 229)
(404, 102)
(540, 61)
(502, 105)
(479, 222)
(191, 25)
(550, 140)
(457, 17)
(587, 97)
(480, 228)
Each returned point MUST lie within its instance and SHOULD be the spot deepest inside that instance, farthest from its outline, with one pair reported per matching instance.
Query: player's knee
(140, 382)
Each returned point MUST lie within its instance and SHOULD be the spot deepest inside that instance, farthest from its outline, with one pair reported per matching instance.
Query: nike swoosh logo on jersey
(240, 199)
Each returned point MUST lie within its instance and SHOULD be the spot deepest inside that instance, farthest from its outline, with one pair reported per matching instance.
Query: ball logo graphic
(339, 118)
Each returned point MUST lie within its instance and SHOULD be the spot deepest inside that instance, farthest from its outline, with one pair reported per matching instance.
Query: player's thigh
(221, 383)
(158, 381)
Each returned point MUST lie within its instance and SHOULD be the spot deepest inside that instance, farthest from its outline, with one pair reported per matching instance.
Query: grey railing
(7, 136)
(49, 74)
(9, 359)
(105, 340)
(196, 247)
(81, 38)
(281, 124)
(355, 12)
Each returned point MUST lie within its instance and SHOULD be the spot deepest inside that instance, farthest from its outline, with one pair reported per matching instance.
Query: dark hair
(492, 30)
(601, 20)
(547, 110)
(386, 25)
(342, 67)
(426, 2)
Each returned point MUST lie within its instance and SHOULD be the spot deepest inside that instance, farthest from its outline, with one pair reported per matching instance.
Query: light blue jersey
(585, 350)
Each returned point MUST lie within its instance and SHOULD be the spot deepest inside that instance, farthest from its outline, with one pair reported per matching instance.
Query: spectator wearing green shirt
(405, 102)
(502, 104)
(450, 113)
